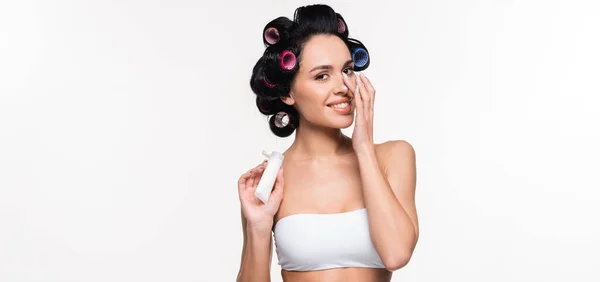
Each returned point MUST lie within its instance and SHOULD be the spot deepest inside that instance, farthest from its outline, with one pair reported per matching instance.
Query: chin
(343, 122)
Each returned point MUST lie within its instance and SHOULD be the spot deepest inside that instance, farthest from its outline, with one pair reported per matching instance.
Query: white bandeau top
(306, 242)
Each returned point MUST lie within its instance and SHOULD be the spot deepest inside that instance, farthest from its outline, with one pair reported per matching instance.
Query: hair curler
(282, 119)
(277, 31)
(267, 180)
(360, 57)
(287, 61)
(341, 26)
(267, 84)
(271, 35)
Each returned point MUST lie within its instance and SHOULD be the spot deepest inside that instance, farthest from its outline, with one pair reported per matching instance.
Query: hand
(258, 214)
(363, 99)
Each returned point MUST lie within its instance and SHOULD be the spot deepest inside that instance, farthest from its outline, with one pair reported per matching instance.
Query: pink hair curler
(267, 83)
(271, 35)
(287, 60)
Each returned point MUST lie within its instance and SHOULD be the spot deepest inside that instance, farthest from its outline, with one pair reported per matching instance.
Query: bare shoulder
(398, 163)
(393, 151)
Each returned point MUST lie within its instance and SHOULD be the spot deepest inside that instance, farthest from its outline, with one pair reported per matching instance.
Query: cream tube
(267, 180)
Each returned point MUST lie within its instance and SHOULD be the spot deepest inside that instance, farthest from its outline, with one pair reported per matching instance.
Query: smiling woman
(277, 71)
(346, 211)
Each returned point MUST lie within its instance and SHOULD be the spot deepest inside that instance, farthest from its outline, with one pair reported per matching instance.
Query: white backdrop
(124, 126)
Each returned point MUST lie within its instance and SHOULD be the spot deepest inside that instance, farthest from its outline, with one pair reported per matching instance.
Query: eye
(349, 70)
(321, 76)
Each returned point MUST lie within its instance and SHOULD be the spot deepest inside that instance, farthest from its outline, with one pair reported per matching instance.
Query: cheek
(315, 94)
(311, 98)
(313, 101)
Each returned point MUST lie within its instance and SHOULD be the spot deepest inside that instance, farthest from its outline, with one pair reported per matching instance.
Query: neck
(313, 141)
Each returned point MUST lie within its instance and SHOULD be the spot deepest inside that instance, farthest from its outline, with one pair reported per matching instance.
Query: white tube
(267, 180)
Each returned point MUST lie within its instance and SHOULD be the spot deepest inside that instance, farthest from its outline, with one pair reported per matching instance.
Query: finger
(245, 189)
(252, 179)
(242, 181)
(371, 90)
(350, 83)
(358, 102)
(365, 97)
(368, 84)
(256, 175)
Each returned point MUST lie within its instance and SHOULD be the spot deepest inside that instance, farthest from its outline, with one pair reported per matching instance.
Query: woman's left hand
(363, 98)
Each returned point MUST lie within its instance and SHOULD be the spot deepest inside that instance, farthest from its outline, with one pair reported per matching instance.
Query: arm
(255, 265)
(390, 201)
(257, 225)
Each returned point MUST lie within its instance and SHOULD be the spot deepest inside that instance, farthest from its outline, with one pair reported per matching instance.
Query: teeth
(340, 105)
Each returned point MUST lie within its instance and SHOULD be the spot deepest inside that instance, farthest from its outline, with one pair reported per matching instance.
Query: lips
(340, 103)
(342, 107)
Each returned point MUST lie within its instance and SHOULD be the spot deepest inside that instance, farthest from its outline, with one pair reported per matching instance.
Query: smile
(340, 105)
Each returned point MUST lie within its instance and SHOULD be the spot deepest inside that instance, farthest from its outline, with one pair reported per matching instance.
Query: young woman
(346, 211)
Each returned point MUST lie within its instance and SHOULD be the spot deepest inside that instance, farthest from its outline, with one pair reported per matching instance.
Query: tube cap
(272, 154)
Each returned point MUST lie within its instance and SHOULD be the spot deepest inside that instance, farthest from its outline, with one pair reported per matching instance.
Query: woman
(346, 211)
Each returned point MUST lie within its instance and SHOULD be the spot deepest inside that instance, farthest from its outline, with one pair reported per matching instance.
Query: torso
(327, 186)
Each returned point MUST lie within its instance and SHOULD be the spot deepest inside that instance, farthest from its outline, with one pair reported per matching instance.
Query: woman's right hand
(258, 214)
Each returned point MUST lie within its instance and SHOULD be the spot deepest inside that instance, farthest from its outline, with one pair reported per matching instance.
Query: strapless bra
(306, 242)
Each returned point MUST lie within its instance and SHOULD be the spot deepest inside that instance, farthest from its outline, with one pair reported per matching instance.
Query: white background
(124, 126)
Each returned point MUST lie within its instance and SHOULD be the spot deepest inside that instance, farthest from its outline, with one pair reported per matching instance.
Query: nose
(341, 88)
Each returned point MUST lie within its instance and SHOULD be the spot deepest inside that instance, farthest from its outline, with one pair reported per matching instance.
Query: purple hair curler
(271, 35)
(281, 119)
(267, 83)
(287, 60)
(341, 26)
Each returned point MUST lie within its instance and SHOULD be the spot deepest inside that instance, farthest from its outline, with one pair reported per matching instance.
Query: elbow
(397, 260)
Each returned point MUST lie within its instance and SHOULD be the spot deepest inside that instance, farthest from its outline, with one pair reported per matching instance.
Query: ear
(289, 100)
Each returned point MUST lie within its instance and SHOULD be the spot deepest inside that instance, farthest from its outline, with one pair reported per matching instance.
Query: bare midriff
(353, 274)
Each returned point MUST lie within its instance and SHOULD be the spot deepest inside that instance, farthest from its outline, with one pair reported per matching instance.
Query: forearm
(392, 230)
(256, 260)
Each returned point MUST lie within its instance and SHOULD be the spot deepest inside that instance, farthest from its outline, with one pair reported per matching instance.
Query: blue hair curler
(360, 56)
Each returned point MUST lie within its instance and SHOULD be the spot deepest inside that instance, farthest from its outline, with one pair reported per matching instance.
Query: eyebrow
(328, 67)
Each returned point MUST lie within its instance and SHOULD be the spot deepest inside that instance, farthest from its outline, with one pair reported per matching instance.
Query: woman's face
(318, 91)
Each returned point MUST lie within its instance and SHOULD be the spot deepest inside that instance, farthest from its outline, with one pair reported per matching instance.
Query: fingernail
(345, 75)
